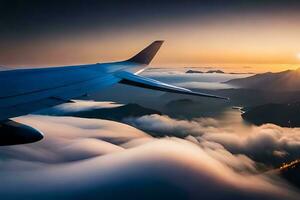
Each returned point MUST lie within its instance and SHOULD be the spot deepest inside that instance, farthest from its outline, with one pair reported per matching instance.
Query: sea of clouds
(149, 157)
(202, 158)
(268, 144)
(212, 81)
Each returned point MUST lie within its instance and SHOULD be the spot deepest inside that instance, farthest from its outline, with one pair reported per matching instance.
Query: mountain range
(201, 72)
(116, 113)
(288, 80)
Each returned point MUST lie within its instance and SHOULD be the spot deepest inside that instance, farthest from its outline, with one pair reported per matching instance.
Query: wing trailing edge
(144, 82)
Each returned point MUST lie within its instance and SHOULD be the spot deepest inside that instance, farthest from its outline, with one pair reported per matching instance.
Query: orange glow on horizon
(263, 43)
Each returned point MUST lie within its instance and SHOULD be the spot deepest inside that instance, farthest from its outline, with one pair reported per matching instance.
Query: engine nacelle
(12, 133)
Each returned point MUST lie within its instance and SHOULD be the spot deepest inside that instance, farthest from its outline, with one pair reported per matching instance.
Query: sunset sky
(247, 35)
(200, 123)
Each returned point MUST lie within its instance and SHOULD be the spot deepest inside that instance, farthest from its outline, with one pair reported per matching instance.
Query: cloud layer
(269, 144)
(93, 158)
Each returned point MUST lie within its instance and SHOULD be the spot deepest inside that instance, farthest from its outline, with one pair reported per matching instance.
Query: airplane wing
(23, 91)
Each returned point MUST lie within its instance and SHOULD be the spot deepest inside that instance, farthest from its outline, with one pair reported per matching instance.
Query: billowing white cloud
(268, 143)
(70, 138)
(92, 159)
(194, 80)
(205, 85)
(78, 105)
(164, 125)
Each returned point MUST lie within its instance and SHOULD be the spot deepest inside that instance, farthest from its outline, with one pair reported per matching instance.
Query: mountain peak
(288, 80)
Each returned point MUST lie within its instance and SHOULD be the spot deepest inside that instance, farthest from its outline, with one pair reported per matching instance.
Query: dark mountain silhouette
(189, 108)
(193, 72)
(117, 114)
(200, 72)
(285, 81)
(285, 115)
(215, 71)
(180, 102)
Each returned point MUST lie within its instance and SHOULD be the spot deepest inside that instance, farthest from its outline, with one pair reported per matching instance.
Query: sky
(263, 34)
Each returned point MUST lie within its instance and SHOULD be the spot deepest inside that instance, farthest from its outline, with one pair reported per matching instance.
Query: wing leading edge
(144, 82)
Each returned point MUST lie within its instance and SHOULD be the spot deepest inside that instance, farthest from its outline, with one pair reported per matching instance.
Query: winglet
(147, 54)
